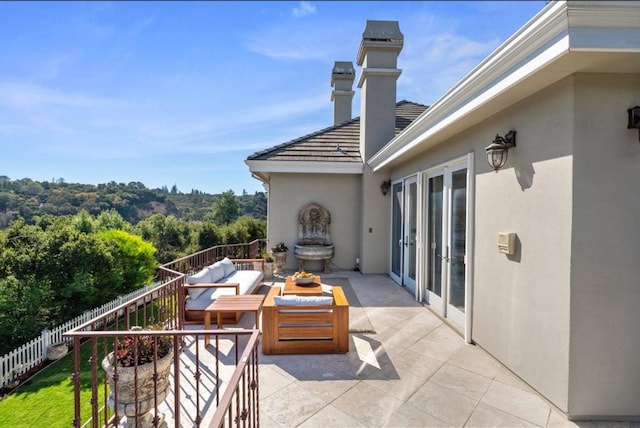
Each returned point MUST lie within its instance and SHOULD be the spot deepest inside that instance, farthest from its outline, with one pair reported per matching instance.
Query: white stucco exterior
(520, 302)
(338, 193)
(605, 249)
(562, 311)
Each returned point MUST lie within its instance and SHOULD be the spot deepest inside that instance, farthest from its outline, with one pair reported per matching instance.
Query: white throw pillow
(228, 265)
(216, 271)
(302, 300)
(202, 277)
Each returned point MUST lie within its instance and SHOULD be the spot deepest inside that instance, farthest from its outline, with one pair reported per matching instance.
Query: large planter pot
(140, 415)
(280, 259)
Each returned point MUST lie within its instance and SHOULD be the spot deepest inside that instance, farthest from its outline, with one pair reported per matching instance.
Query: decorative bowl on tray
(303, 278)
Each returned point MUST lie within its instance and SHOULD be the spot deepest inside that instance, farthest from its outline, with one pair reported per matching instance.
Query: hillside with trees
(61, 266)
(66, 248)
(28, 199)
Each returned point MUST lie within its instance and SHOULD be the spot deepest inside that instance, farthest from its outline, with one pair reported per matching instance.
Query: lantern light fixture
(498, 150)
(385, 186)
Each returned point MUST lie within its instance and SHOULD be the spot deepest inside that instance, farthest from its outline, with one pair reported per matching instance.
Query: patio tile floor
(415, 371)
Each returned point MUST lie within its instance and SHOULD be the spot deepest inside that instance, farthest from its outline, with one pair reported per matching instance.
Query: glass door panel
(434, 234)
(458, 239)
(410, 205)
(396, 230)
(446, 237)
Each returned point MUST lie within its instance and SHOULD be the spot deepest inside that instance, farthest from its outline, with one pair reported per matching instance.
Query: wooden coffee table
(232, 303)
(315, 289)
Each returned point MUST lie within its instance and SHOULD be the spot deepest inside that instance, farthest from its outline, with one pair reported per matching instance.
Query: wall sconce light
(498, 150)
(385, 186)
(634, 119)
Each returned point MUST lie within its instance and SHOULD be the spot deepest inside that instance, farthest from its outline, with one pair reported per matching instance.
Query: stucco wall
(374, 247)
(521, 302)
(605, 273)
(340, 194)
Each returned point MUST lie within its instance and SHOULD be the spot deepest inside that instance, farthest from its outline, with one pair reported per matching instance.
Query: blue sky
(181, 93)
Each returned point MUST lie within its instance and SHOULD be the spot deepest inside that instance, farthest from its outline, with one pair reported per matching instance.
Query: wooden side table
(290, 287)
(232, 303)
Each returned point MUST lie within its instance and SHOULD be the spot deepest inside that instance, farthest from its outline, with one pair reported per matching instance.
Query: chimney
(378, 54)
(342, 77)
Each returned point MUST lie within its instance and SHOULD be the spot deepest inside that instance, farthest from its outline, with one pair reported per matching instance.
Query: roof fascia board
(610, 26)
(607, 14)
(605, 39)
(305, 167)
(543, 35)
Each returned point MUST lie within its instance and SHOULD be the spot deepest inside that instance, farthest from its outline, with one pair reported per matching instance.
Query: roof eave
(264, 168)
(559, 30)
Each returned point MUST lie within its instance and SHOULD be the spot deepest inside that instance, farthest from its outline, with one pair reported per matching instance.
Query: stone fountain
(314, 236)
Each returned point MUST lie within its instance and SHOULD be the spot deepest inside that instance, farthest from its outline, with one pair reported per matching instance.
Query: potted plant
(131, 369)
(279, 252)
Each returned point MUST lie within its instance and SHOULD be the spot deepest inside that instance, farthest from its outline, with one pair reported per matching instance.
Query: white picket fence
(29, 355)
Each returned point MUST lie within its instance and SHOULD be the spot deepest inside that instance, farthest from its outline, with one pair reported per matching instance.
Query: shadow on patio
(414, 370)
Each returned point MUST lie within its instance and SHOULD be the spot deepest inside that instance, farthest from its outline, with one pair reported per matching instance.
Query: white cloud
(303, 9)
(292, 44)
(294, 49)
(308, 41)
(86, 127)
(21, 95)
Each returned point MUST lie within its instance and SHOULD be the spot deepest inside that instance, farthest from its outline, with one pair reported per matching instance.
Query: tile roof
(338, 143)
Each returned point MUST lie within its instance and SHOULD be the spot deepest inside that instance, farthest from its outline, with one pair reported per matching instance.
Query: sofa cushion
(228, 265)
(206, 298)
(293, 300)
(249, 280)
(202, 277)
(216, 271)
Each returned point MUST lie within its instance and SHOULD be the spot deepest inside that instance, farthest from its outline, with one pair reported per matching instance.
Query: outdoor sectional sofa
(227, 276)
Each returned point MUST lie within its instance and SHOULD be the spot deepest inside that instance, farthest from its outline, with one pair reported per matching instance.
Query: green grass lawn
(46, 400)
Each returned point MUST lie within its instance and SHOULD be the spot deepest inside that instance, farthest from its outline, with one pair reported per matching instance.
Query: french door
(446, 241)
(404, 232)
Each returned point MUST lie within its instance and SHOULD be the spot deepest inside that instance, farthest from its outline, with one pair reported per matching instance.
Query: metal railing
(33, 353)
(196, 261)
(194, 383)
(236, 398)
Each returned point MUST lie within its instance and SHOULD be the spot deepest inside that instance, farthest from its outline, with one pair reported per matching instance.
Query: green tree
(171, 236)
(84, 222)
(208, 236)
(226, 209)
(134, 259)
(24, 311)
(111, 219)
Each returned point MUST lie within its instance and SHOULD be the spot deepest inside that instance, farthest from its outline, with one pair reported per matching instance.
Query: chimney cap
(383, 31)
(380, 36)
(343, 70)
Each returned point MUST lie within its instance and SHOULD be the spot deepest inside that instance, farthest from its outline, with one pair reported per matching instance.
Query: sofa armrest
(268, 301)
(235, 285)
(339, 298)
